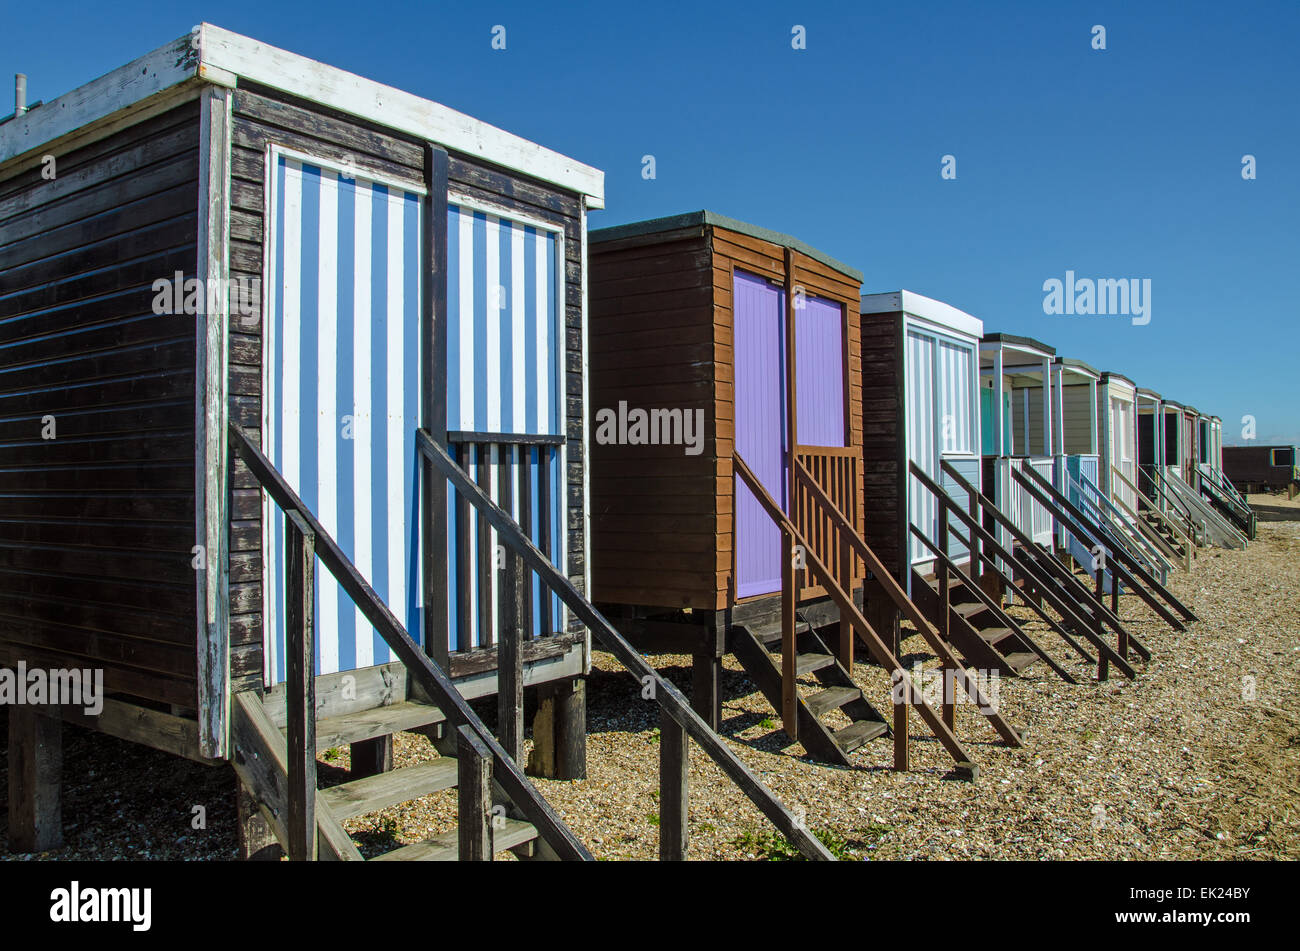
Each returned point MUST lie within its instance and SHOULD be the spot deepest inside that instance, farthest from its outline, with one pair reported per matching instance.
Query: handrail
(905, 691)
(669, 698)
(1121, 562)
(1184, 539)
(1208, 515)
(1108, 512)
(1061, 575)
(428, 675)
(1160, 548)
(1171, 501)
(1092, 631)
(989, 604)
(906, 605)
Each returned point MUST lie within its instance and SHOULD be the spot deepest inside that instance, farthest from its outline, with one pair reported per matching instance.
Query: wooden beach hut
(1261, 468)
(1076, 443)
(920, 403)
(1016, 406)
(1117, 415)
(746, 538)
(290, 359)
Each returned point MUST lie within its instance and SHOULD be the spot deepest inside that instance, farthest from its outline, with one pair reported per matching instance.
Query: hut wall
(655, 343)
(97, 411)
(1077, 416)
(885, 473)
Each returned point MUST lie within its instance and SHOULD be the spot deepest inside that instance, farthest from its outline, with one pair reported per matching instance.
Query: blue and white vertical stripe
(503, 339)
(341, 402)
(484, 462)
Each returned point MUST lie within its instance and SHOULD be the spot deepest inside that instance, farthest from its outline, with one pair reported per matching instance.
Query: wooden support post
(473, 797)
(257, 841)
(901, 694)
(949, 709)
(35, 779)
(847, 558)
(674, 789)
(560, 730)
(371, 757)
(300, 663)
(706, 685)
(510, 660)
(789, 649)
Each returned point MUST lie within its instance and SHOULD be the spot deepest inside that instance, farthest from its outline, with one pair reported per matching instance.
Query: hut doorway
(761, 428)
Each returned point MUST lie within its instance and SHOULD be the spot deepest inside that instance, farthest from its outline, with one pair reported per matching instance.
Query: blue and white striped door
(504, 381)
(341, 398)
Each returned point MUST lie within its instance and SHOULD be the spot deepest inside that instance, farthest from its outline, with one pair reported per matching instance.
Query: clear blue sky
(1115, 164)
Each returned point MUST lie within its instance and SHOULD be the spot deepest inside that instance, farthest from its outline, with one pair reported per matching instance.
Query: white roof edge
(926, 308)
(224, 57)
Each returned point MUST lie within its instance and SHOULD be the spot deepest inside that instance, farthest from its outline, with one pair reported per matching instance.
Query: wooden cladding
(97, 412)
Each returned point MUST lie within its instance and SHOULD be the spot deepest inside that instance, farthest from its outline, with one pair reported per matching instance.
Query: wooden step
(1019, 661)
(858, 733)
(360, 796)
(807, 663)
(446, 847)
(832, 698)
(969, 610)
(768, 634)
(992, 635)
(379, 721)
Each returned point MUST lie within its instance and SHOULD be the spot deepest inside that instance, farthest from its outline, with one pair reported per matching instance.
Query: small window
(1283, 457)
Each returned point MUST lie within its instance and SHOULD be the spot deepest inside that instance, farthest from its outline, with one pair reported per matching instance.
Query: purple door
(758, 339)
(819, 372)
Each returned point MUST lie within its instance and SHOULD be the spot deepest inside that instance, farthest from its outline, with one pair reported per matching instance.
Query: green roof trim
(706, 219)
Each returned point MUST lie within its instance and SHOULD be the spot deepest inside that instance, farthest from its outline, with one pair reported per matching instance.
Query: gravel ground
(1199, 758)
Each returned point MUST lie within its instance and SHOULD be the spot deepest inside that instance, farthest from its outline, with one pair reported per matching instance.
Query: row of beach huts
(433, 441)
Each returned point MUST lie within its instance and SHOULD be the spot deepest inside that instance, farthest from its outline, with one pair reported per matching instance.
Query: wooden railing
(1181, 547)
(837, 472)
(1058, 587)
(905, 694)
(306, 538)
(678, 722)
(1120, 562)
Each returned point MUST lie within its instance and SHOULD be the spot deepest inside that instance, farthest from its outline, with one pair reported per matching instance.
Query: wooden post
(789, 651)
(706, 684)
(847, 559)
(560, 730)
(371, 757)
(674, 789)
(35, 779)
(901, 693)
(257, 842)
(433, 407)
(300, 663)
(510, 660)
(945, 613)
(473, 797)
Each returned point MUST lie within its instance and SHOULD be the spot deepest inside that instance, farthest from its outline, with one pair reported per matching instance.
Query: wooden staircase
(826, 687)
(986, 637)
(498, 808)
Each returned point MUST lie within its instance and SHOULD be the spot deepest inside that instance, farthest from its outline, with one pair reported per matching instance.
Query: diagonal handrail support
(1123, 563)
(428, 675)
(1061, 600)
(904, 691)
(907, 606)
(669, 698)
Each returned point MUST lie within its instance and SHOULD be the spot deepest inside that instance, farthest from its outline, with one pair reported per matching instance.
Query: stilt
(560, 731)
(706, 685)
(35, 778)
(257, 841)
(371, 757)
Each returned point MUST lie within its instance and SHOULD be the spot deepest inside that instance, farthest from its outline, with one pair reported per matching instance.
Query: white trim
(224, 58)
(379, 178)
(211, 514)
(462, 200)
(925, 308)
